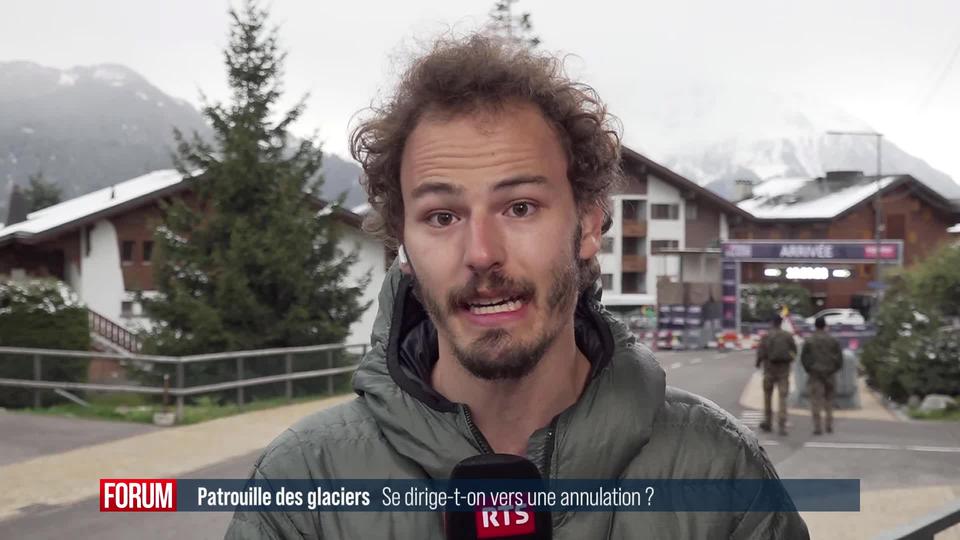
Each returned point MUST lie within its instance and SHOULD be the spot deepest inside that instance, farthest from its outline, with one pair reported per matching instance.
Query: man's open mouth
(495, 305)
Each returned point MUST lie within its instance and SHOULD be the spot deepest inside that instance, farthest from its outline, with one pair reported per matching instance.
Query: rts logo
(504, 521)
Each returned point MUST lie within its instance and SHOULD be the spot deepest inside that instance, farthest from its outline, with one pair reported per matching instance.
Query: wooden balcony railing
(113, 332)
(634, 228)
(633, 263)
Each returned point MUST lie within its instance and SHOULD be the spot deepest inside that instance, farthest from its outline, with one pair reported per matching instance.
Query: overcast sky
(884, 61)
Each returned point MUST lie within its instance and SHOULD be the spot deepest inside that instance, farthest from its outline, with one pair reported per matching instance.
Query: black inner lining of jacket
(412, 350)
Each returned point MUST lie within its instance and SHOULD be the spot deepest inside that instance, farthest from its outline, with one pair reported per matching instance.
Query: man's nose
(484, 248)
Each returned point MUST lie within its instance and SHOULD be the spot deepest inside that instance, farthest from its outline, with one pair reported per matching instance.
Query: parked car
(838, 316)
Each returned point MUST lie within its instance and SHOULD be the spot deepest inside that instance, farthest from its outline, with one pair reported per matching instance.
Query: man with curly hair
(490, 171)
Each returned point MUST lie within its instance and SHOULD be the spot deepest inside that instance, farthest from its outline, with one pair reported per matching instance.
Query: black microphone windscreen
(515, 522)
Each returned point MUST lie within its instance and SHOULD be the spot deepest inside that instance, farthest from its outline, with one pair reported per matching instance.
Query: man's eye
(522, 209)
(441, 219)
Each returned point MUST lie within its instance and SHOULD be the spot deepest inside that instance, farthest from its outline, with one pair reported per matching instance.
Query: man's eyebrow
(519, 181)
(427, 188)
(443, 188)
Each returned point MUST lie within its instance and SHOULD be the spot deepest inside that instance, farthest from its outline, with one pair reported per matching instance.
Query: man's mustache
(502, 285)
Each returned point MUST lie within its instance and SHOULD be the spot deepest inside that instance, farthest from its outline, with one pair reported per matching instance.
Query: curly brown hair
(481, 71)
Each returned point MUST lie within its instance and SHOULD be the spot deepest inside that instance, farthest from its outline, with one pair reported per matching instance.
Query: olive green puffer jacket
(627, 424)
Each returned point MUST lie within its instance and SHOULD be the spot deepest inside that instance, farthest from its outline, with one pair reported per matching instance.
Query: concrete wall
(610, 262)
(660, 192)
(371, 259)
(101, 279)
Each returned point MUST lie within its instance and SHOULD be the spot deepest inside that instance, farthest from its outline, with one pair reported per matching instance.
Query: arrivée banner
(848, 251)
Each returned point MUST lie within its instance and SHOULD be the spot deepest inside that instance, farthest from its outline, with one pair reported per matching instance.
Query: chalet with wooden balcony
(101, 245)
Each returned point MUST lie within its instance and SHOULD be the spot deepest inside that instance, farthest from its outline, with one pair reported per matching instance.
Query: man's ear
(591, 229)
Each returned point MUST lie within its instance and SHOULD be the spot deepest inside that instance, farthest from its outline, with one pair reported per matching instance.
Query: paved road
(26, 436)
(84, 520)
(882, 454)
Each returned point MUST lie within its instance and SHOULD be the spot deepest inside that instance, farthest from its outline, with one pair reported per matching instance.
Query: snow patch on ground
(112, 76)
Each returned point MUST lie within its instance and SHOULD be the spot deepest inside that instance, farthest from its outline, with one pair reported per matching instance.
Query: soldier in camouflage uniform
(775, 354)
(822, 358)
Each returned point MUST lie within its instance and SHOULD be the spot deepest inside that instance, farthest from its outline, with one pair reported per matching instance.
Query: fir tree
(250, 262)
(515, 28)
(41, 193)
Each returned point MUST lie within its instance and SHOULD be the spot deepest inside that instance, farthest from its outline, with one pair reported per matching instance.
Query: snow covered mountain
(88, 127)
(716, 135)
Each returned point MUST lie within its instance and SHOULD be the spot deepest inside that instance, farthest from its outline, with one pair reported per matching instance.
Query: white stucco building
(101, 245)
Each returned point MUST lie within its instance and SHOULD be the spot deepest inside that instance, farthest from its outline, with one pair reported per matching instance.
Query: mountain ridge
(87, 127)
(716, 134)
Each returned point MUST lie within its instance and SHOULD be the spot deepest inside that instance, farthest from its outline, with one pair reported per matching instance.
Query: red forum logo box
(138, 495)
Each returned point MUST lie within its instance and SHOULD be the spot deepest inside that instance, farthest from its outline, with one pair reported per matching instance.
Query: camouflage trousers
(821, 390)
(776, 375)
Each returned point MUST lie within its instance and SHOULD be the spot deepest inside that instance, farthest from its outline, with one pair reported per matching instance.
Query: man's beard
(516, 360)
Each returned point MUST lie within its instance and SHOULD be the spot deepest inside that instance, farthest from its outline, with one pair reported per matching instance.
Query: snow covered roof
(776, 187)
(92, 203)
(111, 200)
(811, 198)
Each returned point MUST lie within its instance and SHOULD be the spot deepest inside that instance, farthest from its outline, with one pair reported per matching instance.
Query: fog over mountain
(87, 127)
(716, 135)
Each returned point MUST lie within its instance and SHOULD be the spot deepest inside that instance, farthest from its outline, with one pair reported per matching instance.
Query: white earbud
(402, 255)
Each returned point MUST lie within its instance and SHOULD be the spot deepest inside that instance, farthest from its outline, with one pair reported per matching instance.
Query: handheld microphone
(516, 522)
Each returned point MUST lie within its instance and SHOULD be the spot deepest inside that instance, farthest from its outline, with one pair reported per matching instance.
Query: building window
(692, 212)
(634, 210)
(607, 280)
(126, 252)
(606, 244)
(126, 308)
(664, 211)
(634, 245)
(634, 282)
(657, 245)
(147, 251)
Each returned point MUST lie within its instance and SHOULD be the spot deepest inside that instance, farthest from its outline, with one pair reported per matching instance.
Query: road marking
(853, 446)
(752, 419)
(934, 449)
(769, 442)
(873, 446)
(676, 365)
(696, 361)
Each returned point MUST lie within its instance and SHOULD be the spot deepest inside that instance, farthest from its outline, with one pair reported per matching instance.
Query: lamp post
(877, 209)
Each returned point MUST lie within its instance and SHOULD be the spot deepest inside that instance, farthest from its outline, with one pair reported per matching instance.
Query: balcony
(633, 227)
(633, 263)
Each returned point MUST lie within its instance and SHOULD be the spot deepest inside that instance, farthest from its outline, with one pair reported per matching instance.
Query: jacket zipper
(477, 435)
(548, 453)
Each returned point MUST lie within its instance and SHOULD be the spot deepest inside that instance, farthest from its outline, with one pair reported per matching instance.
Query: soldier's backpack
(780, 347)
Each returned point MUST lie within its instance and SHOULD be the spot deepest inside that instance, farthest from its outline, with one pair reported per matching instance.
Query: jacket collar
(616, 410)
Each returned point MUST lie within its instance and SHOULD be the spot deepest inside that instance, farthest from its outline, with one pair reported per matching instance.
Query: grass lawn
(946, 414)
(135, 408)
